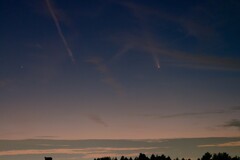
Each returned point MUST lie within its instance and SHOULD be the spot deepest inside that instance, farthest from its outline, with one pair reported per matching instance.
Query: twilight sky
(111, 69)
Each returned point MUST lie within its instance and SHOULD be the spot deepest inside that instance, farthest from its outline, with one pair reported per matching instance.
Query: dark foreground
(206, 156)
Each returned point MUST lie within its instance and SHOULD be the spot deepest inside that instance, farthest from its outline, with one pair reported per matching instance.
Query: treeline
(206, 156)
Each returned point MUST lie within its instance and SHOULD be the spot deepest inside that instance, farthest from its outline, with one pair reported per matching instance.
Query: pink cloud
(85, 151)
(228, 144)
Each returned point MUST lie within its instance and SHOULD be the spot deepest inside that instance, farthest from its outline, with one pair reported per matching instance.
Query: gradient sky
(108, 69)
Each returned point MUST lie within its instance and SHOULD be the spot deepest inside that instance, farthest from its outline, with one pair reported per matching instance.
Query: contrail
(60, 31)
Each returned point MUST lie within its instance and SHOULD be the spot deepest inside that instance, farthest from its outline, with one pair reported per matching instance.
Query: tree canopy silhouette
(206, 156)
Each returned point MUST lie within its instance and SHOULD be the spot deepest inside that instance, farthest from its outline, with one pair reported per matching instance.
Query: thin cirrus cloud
(147, 35)
(161, 49)
(228, 144)
(89, 149)
(185, 114)
(233, 123)
(85, 151)
(108, 78)
(189, 24)
(176, 58)
(96, 155)
(46, 137)
(97, 119)
(50, 145)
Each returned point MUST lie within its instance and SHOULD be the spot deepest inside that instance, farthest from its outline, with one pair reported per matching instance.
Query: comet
(156, 60)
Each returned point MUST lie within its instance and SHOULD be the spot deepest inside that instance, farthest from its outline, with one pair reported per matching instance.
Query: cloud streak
(69, 51)
(46, 137)
(97, 155)
(89, 149)
(97, 119)
(102, 68)
(85, 151)
(233, 123)
(185, 114)
(228, 144)
(147, 35)
(176, 58)
(145, 41)
(189, 24)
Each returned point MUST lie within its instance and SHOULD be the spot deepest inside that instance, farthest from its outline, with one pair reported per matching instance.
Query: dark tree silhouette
(122, 158)
(143, 157)
(221, 156)
(206, 156)
(153, 157)
(236, 158)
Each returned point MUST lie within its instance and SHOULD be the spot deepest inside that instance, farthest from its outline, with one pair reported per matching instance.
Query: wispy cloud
(202, 61)
(97, 119)
(176, 58)
(100, 66)
(46, 137)
(203, 113)
(188, 23)
(108, 78)
(52, 145)
(51, 10)
(85, 151)
(88, 149)
(228, 144)
(233, 123)
(97, 155)
(147, 35)
(185, 114)
(43, 151)
(160, 48)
